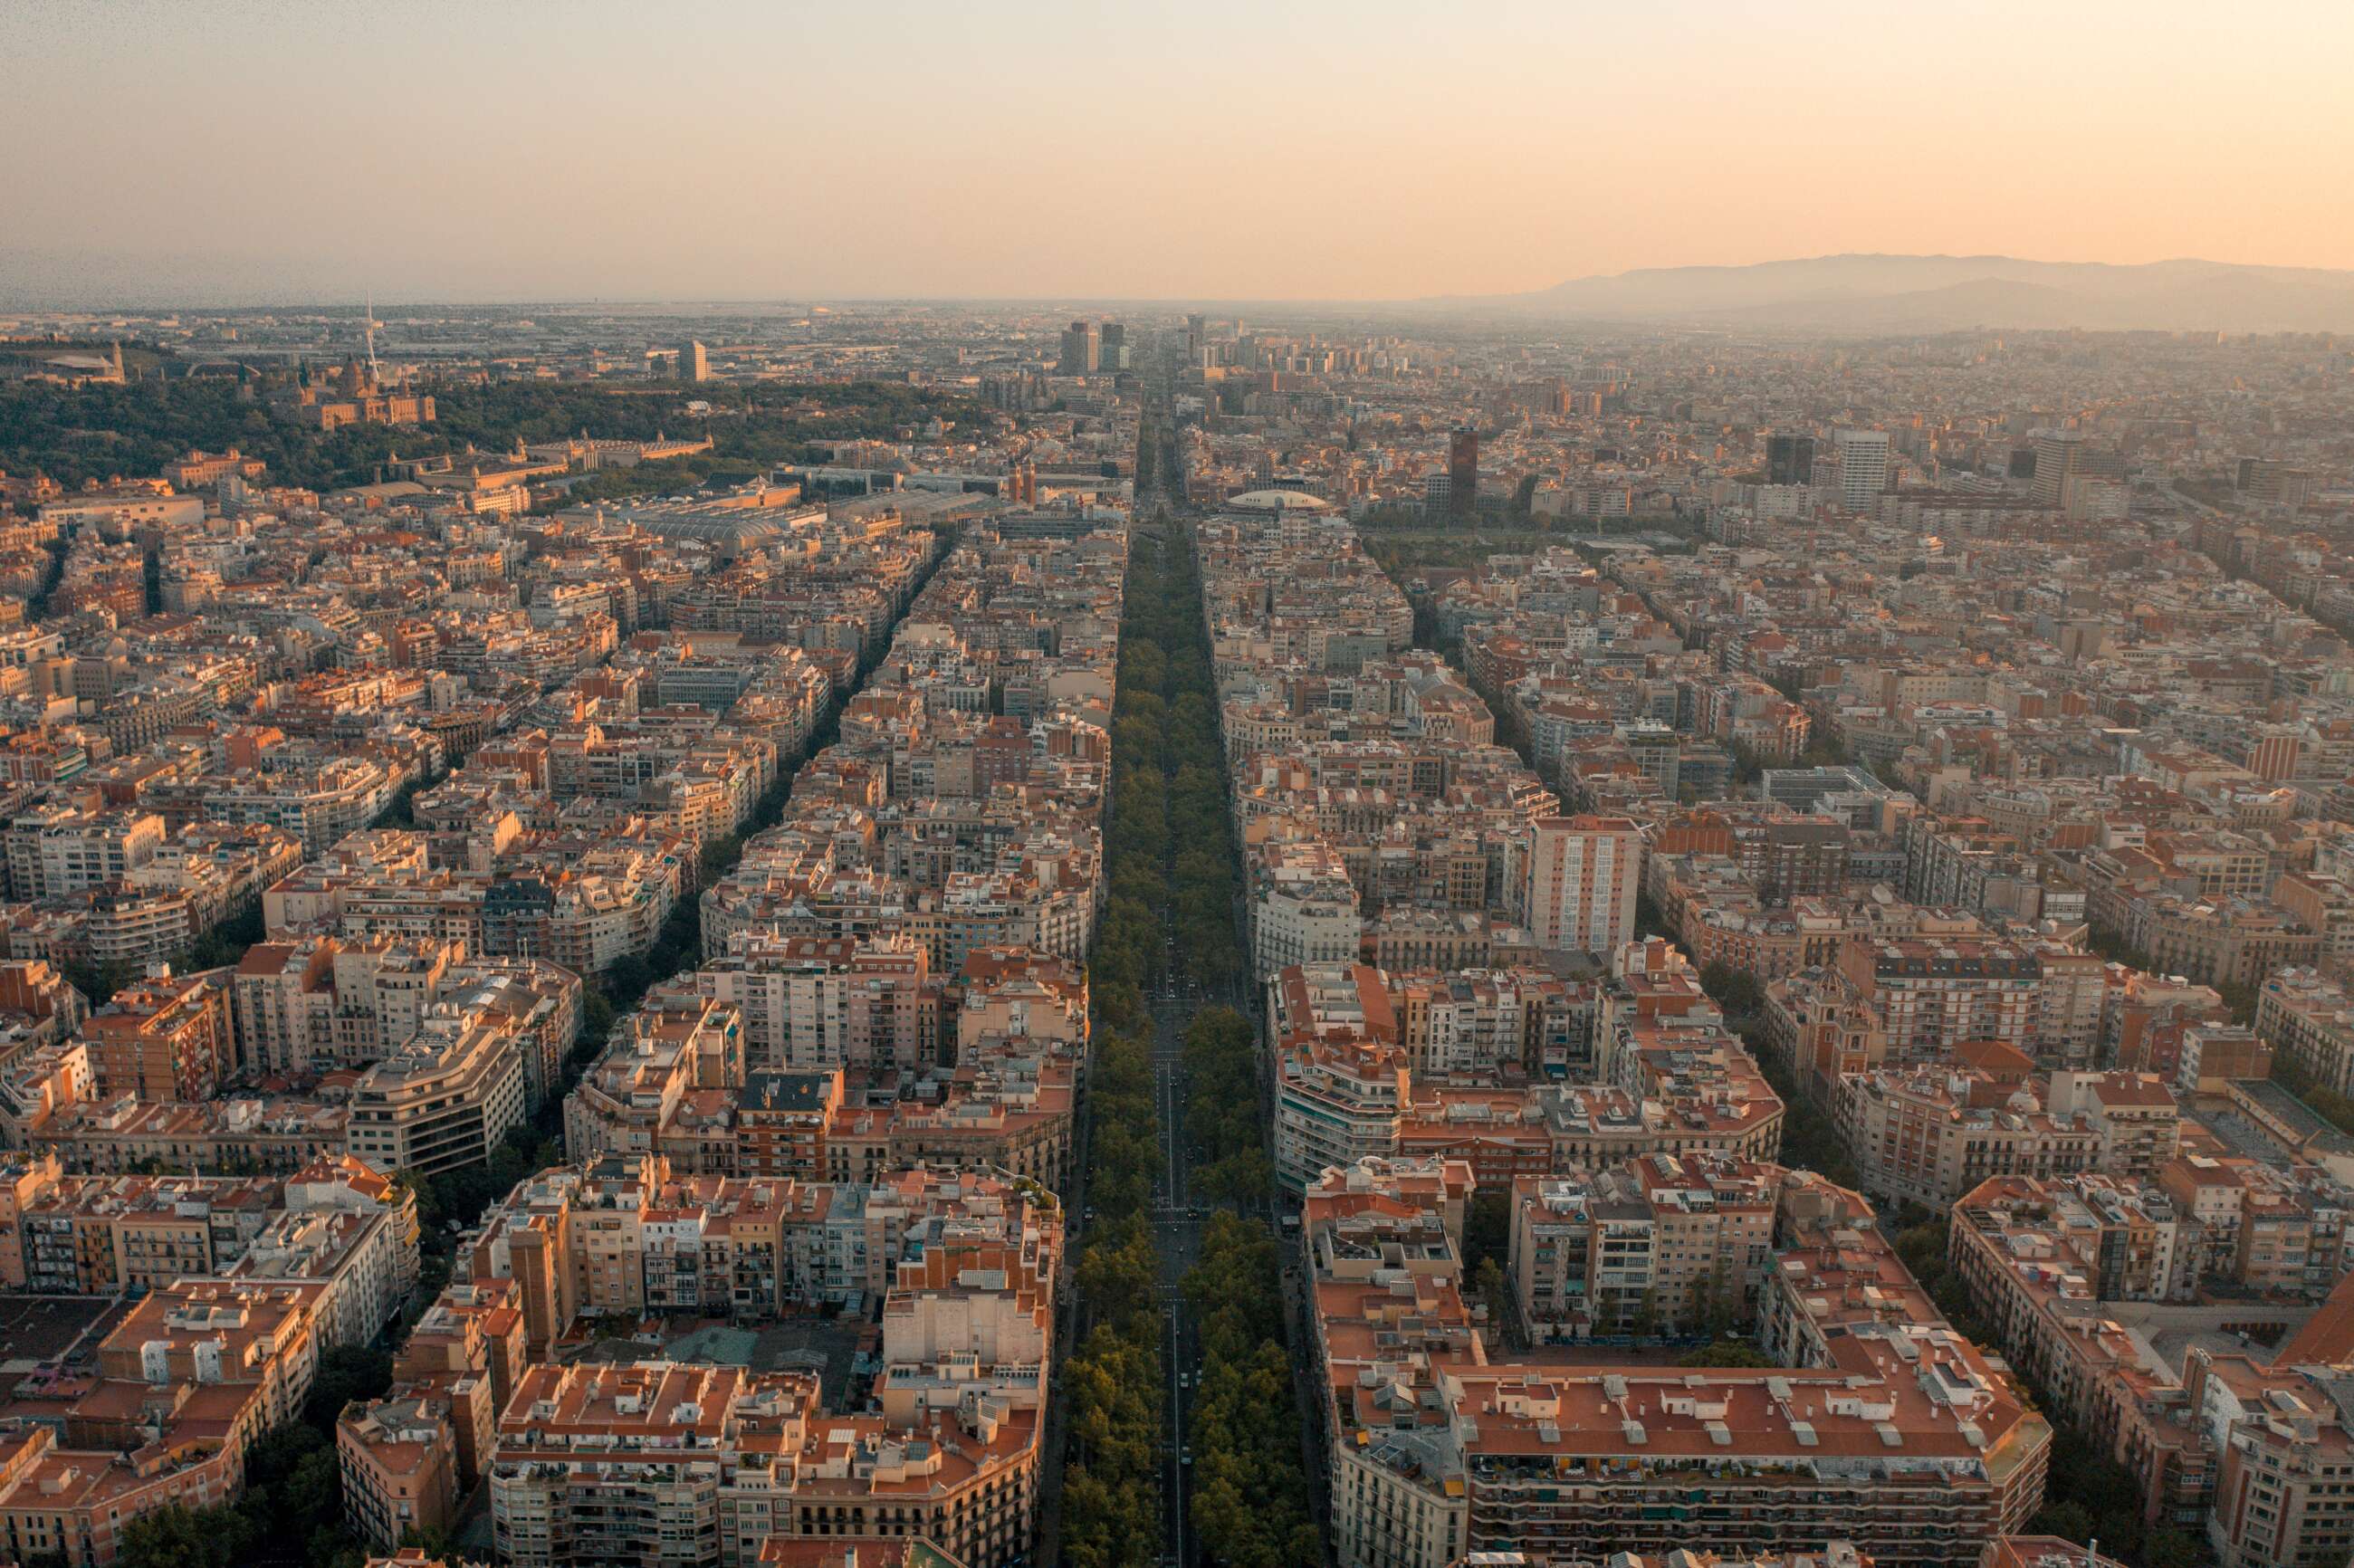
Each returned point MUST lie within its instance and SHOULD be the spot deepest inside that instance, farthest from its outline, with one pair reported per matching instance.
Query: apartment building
(1474, 1023)
(623, 1234)
(1927, 1135)
(1304, 911)
(273, 1133)
(1907, 1443)
(809, 1002)
(675, 1044)
(584, 1456)
(2133, 1115)
(363, 1256)
(2306, 1018)
(1660, 1245)
(60, 849)
(324, 1001)
(399, 1462)
(102, 1235)
(1834, 1272)
(1342, 1082)
(1918, 1137)
(81, 1501)
(2027, 1283)
(166, 1037)
(1932, 993)
(1584, 875)
(446, 1097)
(1008, 1107)
(319, 800)
(2283, 1452)
(586, 1468)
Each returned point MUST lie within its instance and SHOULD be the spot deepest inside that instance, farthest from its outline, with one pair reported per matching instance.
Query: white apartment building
(1864, 467)
(1306, 913)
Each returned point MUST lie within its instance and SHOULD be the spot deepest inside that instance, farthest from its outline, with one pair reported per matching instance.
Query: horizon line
(327, 304)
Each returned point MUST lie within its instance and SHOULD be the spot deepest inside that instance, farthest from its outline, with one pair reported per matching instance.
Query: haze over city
(1252, 786)
(248, 153)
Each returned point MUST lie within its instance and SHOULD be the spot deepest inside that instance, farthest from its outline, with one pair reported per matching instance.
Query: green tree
(1726, 1354)
(1487, 1229)
(177, 1537)
(346, 1373)
(1494, 1294)
(2068, 1520)
(1734, 991)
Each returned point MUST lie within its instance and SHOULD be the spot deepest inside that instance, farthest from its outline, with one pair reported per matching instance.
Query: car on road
(1187, 1458)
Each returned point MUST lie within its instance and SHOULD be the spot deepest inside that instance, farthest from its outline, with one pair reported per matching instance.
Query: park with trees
(78, 433)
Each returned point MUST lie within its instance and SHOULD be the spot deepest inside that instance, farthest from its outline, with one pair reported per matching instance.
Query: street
(1178, 1235)
(1177, 1217)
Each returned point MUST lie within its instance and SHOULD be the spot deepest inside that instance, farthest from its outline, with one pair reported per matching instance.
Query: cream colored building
(444, 1099)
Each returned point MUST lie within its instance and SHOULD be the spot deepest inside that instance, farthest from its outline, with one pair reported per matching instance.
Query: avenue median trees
(1203, 875)
(1221, 1054)
(1197, 808)
(1137, 731)
(1170, 843)
(1112, 1383)
(1110, 1493)
(1167, 844)
(1111, 1510)
(1117, 1278)
(1110, 1489)
(1117, 967)
(1250, 1498)
(1124, 1133)
(1142, 664)
(1141, 811)
(1139, 881)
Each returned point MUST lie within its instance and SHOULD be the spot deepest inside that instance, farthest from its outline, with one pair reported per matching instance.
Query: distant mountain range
(1945, 294)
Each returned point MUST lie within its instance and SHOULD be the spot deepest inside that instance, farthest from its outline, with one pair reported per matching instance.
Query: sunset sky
(1211, 151)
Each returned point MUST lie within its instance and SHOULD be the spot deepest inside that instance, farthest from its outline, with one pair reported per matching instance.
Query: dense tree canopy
(1250, 1498)
(1222, 1107)
(74, 434)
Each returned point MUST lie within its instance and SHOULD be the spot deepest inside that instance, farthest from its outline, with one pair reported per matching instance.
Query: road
(1177, 1240)
(1176, 1222)
(1178, 1217)
(1177, 1233)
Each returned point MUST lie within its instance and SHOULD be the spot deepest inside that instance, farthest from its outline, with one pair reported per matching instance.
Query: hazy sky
(677, 149)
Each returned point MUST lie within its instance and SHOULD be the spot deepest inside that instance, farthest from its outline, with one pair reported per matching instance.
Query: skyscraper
(1113, 346)
(693, 363)
(1584, 872)
(1462, 469)
(1864, 467)
(2057, 455)
(1789, 459)
(2260, 479)
(1082, 349)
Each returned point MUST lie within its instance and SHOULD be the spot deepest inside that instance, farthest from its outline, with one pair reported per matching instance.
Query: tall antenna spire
(370, 308)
